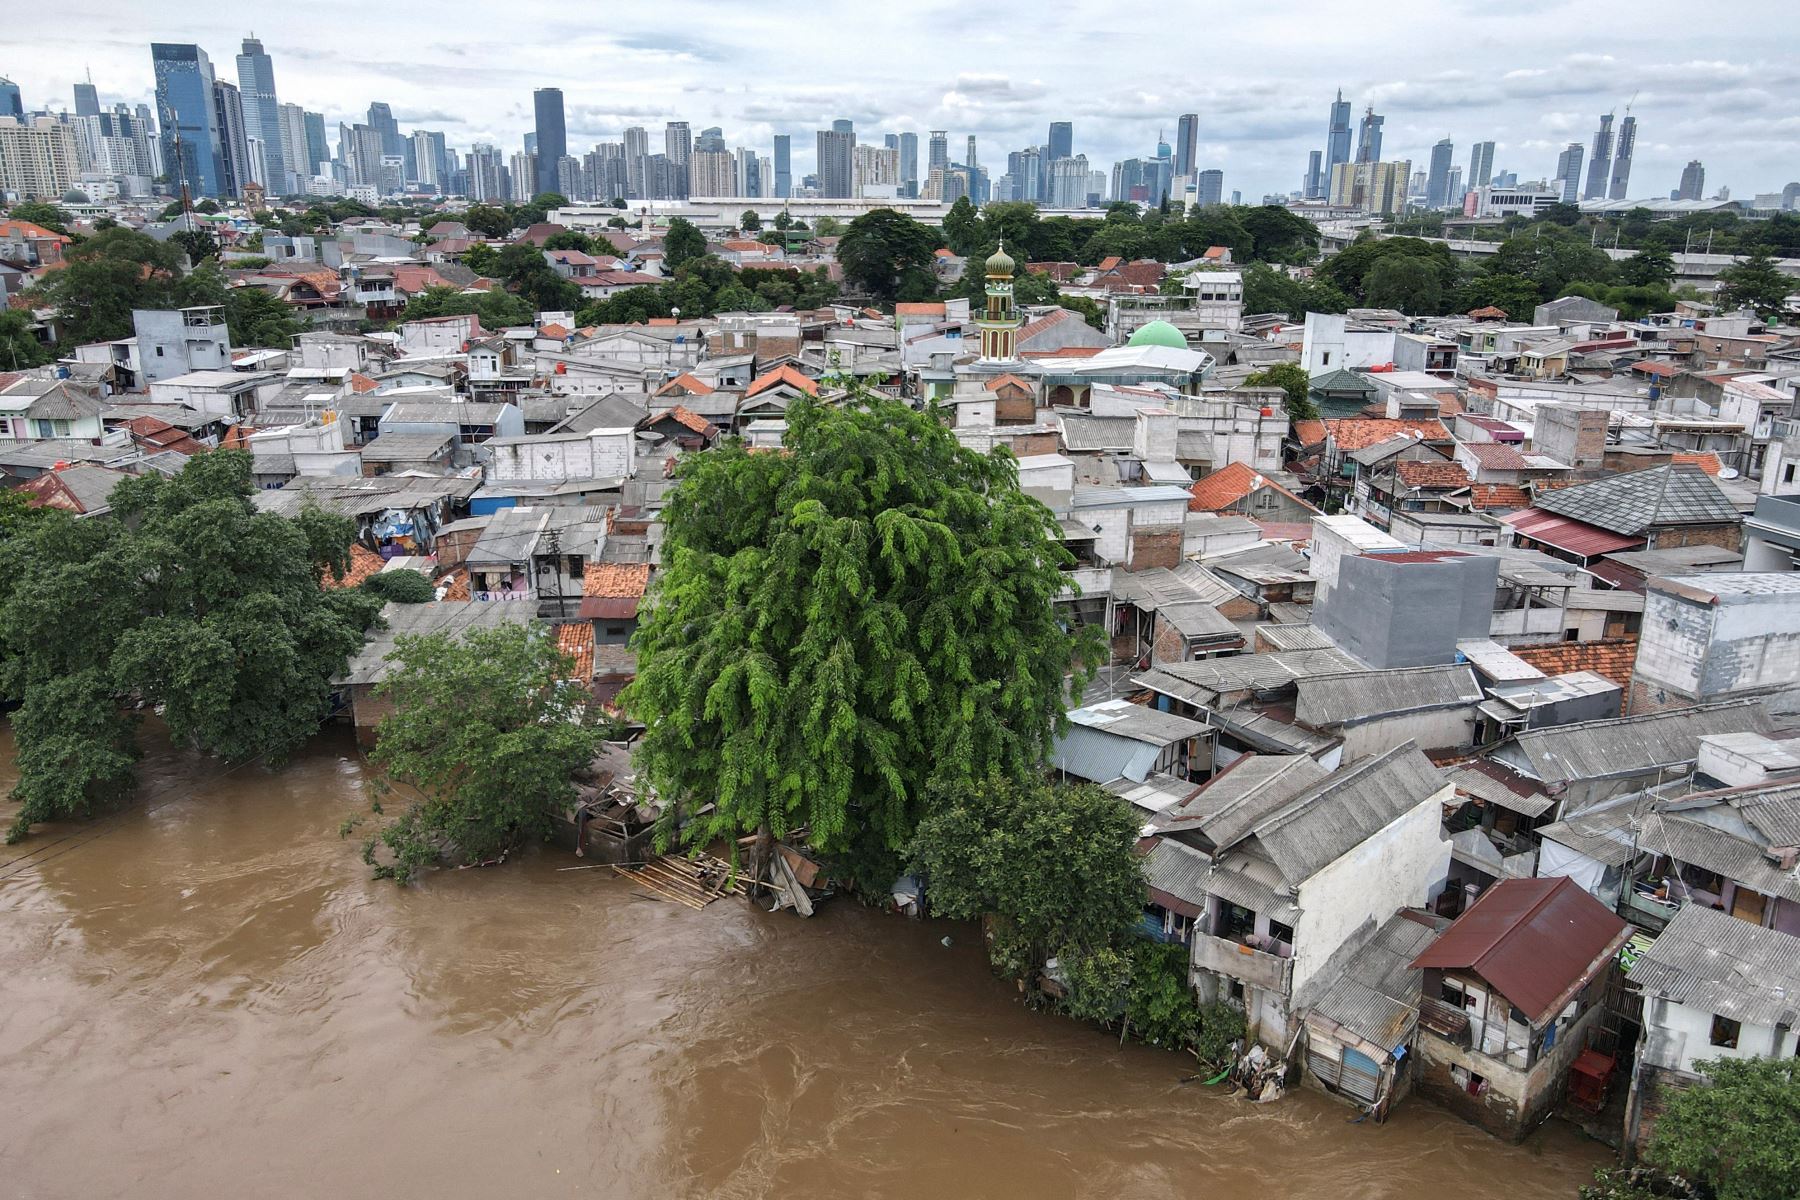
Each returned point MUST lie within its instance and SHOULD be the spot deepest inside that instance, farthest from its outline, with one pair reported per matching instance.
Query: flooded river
(208, 996)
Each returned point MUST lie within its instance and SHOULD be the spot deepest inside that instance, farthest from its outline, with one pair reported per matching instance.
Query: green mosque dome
(1000, 262)
(1158, 333)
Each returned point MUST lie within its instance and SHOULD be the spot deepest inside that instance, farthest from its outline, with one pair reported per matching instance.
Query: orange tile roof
(1110, 261)
(1707, 461)
(456, 584)
(1309, 432)
(364, 564)
(689, 419)
(1611, 658)
(926, 308)
(360, 383)
(687, 384)
(1358, 433)
(615, 579)
(1498, 495)
(1432, 475)
(995, 384)
(576, 642)
(785, 373)
(1230, 484)
(553, 331)
(12, 227)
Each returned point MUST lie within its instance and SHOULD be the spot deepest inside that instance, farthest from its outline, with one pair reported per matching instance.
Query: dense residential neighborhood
(1379, 637)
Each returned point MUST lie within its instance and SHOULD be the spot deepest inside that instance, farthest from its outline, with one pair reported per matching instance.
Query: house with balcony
(1512, 995)
(1300, 861)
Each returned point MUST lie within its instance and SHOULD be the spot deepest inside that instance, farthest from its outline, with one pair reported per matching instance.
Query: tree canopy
(1755, 282)
(1292, 379)
(109, 274)
(497, 309)
(1739, 1133)
(682, 242)
(189, 599)
(889, 254)
(490, 730)
(841, 625)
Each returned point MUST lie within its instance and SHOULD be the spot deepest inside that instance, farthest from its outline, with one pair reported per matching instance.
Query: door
(1747, 905)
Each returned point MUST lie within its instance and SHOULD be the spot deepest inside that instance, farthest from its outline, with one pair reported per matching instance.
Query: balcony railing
(1227, 957)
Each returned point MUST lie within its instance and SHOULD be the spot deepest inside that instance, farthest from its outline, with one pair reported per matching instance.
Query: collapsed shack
(607, 819)
(793, 880)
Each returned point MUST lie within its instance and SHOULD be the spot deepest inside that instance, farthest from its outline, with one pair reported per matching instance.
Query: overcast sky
(1531, 75)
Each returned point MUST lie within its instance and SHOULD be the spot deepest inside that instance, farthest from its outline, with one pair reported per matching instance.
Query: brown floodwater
(207, 995)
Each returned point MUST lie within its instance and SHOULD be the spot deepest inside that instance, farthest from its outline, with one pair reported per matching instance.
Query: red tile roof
(1535, 940)
(1498, 495)
(360, 383)
(927, 308)
(1489, 313)
(615, 579)
(785, 373)
(554, 331)
(1230, 484)
(1110, 261)
(1611, 658)
(12, 227)
(576, 642)
(1309, 432)
(1662, 370)
(1438, 475)
(1358, 433)
(687, 385)
(995, 384)
(689, 419)
(1496, 456)
(364, 564)
(1708, 462)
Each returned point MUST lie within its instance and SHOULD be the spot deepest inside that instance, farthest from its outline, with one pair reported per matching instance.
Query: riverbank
(207, 995)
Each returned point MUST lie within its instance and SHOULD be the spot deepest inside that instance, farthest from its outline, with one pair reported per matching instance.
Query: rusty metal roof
(1534, 940)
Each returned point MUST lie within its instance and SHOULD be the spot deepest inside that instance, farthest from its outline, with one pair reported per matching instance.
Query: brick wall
(1155, 547)
(1726, 537)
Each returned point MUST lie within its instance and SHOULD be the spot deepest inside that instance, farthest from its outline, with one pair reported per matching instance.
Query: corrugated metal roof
(1295, 637)
(1139, 722)
(1376, 999)
(1253, 883)
(1603, 834)
(1716, 963)
(1233, 801)
(1534, 940)
(1259, 672)
(1704, 845)
(1567, 533)
(1474, 781)
(1325, 822)
(1178, 871)
(1330, 701)
(451, 617)
(1100, 757)
(1627, 746)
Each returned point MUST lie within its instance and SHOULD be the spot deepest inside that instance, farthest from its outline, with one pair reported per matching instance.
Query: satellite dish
(1728, 472)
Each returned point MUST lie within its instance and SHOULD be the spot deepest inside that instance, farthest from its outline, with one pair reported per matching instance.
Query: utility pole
(553, 543)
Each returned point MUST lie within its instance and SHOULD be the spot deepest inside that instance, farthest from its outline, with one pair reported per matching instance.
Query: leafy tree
(1404, 283)
(1090, 311)
(1755, 282)
(497, 309)
(197, 244)
(1278, 235)
(618, 222)
(825, 227)
(190, 600)
(487, 219)
(1552, 257)
(256, 318)
(487, 727)
(682, 241)
(570, 239)
(402, 587)
(549, 200)
(1566, 215)
(50, 216)
(106, 276)
(19, 346)
(525, 271)
(888, 254)
(1348, 270)
(209, 207)
(482, 259)
(1513, 294)
(749, 220)
(1292, 379)
(1739, 1134)
(784, 220)
(1268, 290)
(838, 626)
(1055, 863)
(962, 228)
(1652, 266)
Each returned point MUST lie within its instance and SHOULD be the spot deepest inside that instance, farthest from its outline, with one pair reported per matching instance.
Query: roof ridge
(1331, 783)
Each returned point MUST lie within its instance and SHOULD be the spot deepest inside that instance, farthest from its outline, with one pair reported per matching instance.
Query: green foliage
(825, 227)
(1636, 1183)
(1653, 266)
(1159, 1003)
(1055, 862)
(490, 731)
(487, 219)
(1514, 295)
(19, 346)
(1756, 283)
(197, 244)
(1552, 257)
(527, 273)
(1090, 311)
(1292, 379)
(839, 626)
(209, 207)
(496, 308)
(706, 285)
(1404, 283)
(482, 259)
(404, 586)
(888, 254)
(1268, 290)
(1738, 1134)
(105, 277)
(569, 239)
(1221, 1024)
(963, 230)
(50, 216)
(191, 600)
(682, 242)
(749, 220)
(256, 318)
(1427, 276)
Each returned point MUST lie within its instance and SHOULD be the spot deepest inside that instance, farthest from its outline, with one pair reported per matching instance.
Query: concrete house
(1717, 636)
(1512, 993)
(178, 341)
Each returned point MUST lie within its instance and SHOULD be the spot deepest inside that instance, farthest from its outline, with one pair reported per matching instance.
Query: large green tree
(490, 730)
(190, 600)
(1055, 864)
(1755, 282)
(497, 309)
(107, 275)
(1404, 283)
(1653, 266)
(256, 318)
(962, 228)
(1738, 1133)
(838, 626)
(889, 254)
(682, 241)
(19, 346)
(1292, 379)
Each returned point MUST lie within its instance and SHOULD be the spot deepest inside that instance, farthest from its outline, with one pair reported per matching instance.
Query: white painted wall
(603, 454)
(1679, 1036)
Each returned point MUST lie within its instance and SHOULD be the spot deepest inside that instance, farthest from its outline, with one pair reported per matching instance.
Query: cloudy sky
(1531, 75)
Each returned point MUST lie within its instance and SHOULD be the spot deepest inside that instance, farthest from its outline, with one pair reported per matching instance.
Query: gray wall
(1409, 614)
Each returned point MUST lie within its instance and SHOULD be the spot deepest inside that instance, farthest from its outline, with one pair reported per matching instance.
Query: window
(1787, 473)
(1281, 933)
(1451, 992)
(1325, 359)
(1725, 1032)
(159, 353)
(1236, 921)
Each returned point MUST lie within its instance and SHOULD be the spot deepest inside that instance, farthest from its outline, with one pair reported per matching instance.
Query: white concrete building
(550, 457)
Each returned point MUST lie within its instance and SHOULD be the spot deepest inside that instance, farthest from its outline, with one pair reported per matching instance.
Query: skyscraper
(1568, 173)
(552, 142)
(262, 111)
(1187, 141)
(234, 140)
(842, 125)
(784, 167)
(1437, 179)
(1209, 188)
(940, 152)
(637, 154)
(1062, 141)
(1368, 137)
(381, 120)
(1337, 137)
(87, 100)
(1621, 167)
(317, 151)
(909, 163)
(970, 162)
(188, 116)
(1313, 186)
(11, 104)
(1481, 165)
(1600, 161)
(291, 120)
(1693, 181)
(837, 162)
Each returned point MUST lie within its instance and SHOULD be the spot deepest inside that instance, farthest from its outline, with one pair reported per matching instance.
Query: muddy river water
(208, 996)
